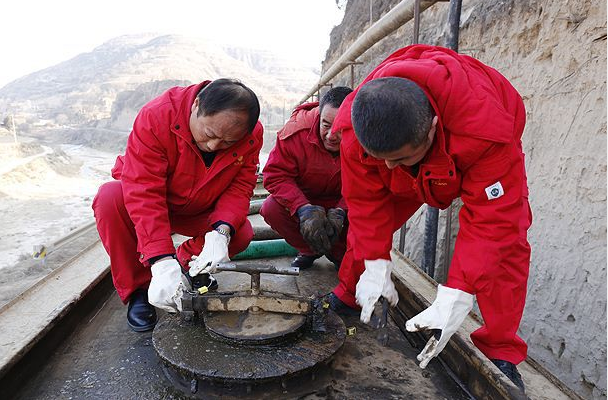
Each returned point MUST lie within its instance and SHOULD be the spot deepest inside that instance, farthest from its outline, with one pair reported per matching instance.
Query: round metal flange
(246, 327)
(189, 351)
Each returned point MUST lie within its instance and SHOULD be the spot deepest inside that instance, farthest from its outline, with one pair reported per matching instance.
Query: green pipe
(266, 249)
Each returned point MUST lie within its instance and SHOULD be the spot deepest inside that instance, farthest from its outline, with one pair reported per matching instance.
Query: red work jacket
(163, 173)
(299, 169)
(476, 155)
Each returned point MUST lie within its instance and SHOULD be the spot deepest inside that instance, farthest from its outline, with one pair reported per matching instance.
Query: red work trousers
(351, 268)
(117, 233)
(288, 226)
(501, 303)
(502, 300)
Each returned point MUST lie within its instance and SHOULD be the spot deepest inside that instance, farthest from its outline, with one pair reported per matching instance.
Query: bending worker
(190, 168)
(302, 174)
(429, 125)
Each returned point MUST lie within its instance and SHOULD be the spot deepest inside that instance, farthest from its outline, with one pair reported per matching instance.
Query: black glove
(314, 227)
(335, 217)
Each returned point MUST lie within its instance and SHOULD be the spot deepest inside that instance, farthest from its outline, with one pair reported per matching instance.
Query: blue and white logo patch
(494, 191)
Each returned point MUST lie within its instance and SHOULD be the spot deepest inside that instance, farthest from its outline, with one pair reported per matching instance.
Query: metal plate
(253, 328)
(191, 351)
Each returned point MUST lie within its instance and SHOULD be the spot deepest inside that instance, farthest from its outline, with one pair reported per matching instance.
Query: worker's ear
(194, 105)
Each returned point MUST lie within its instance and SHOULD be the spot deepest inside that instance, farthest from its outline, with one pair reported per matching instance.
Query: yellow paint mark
(40, 254)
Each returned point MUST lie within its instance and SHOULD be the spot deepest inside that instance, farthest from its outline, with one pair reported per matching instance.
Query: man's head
(222, 114)
(328, 108)
(394, 121)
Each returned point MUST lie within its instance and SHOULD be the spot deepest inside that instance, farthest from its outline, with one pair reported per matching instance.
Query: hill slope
(106, 86)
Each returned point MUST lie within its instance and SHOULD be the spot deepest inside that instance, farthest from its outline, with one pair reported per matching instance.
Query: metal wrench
(379, 322)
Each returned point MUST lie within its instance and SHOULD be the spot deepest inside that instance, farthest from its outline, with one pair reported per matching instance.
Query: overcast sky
(35, 34)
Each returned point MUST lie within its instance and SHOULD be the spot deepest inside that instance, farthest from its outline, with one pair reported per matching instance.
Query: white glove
(167, 285)
(214, 252)
(374, 282)
(450, 308)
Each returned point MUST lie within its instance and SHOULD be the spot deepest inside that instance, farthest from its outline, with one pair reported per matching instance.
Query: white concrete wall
(554, 53)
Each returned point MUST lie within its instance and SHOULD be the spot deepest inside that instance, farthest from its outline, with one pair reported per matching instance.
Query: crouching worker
(429, 125)
(189, 168)
(302, 174)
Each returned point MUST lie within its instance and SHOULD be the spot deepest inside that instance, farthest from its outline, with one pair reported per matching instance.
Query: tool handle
(258, 268)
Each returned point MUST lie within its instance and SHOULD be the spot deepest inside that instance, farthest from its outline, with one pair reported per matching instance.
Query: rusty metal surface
(195, 303)
(191, 350)
(253, 328)
(243, 301)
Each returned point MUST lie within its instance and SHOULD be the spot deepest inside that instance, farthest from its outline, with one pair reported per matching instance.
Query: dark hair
(229, 94)
(334, 97)
(388, 113)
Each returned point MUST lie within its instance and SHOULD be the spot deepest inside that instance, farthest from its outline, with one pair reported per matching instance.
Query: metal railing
(394, 19)
(41, 251)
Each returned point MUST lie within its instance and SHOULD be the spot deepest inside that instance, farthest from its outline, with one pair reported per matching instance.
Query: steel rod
(255, 284)
(430, 240)
(258, 268)
(417, 21)
(454, 24)
(442, 274)
(402, 233)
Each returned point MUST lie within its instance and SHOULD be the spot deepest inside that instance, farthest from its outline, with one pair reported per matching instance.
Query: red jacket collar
(181, 122)
(437, 160)
(314, 135)
(304, 117)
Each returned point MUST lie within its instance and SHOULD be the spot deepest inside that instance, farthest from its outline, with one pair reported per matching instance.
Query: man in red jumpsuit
(190, 168)
(429, 125)
(302, 174)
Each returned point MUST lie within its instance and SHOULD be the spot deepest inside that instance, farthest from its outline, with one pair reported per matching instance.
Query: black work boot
(338, 306)
(141, 315)
(303, 261)
(510, 370)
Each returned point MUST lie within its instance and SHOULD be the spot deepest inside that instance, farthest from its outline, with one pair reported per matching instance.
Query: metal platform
(67, 337)
(193, 358)
(104, 359)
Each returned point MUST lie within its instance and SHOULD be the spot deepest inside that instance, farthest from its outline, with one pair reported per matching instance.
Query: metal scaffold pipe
(395, 18)
(432, 213)
(454, 24)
